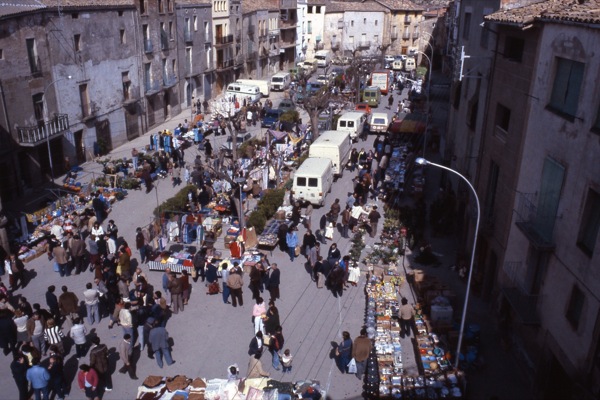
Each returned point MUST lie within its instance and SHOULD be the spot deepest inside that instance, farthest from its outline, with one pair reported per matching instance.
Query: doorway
(167, 105)
(79, 146)
(103, 138)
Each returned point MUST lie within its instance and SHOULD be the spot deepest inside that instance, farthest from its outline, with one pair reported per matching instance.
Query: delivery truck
(334, 145)
(381, 79)
(313, 180)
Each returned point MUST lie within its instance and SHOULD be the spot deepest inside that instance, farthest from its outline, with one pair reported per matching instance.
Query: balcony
(364, 44)
(335, 45)
(274, 53)
(537, 227)
(405, 36)
(319, 46)
(223, 40)
(224, 64)
(286, 45)
(251, 56)
(187, 36)
(238, 61)
(238, 36)
(151, 88)
(394, 35)
(251, 30)
(524, 304)
(287, 24)
(415, 35)
(407, 19)
(30, 136)
(264, 53)
(35, 66)
(273, 33)
(148, 47)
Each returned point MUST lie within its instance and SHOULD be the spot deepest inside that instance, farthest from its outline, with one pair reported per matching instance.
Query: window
(300, 181)
(34, 61)
(467, 26)
(313, 182)
(490, 194)
(595, 127)
(84, 97)
(77, 42)
(575, 308)
(352, 23)
(551, 185)
(195, 23)
(566, 87)
(376, 22)
(318, 9)
(142, 7)
(38, 106)
(513, 48)
(472, 112)
(309, 27)
(120, 13)
(375, 38)
(171, 37)
(502, 117)
(75, 15)
(126, 85)
(1, 54)
(206, 31)
(309, 9)
(148, 76)
(122, 36)
(590, 223)
(170, 5)
(364, 21)
(161, 7)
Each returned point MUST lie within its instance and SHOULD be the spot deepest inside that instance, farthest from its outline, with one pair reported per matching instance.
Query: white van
(410, 64)
(352, 122)
(335, 146)
(397, 64)
(310, 66)
(379, 123)
(242, 91)
(281, 81)
(264, 86)
(313, 180)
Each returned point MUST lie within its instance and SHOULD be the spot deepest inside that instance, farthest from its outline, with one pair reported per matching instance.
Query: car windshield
(273, 113)
(276, 79)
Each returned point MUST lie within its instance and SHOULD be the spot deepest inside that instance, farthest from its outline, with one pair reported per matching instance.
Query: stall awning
(278, 135)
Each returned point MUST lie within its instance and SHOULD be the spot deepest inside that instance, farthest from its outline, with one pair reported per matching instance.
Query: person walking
(68, 303)
(35, 332)
(286, 361)
(275, 347)
(258, 311)
(140, 244)
(52, 302)
(186, 288)
(18, 368)
(235, 283)
(225, 276)
(77, 333)
(346, 222)
(344, 352)
(273, 281)
(39, 377)
(125, 350)
(405, 314)
(374, 217)
(291, 239)
(91, 297)
(15, 270)
(88, 381)
(77, 248)
(390, 101)
(255, 280)
(159, 340)
(361, 349)
(99, 361)
(56, 369)
(176, 289)
(62, 259)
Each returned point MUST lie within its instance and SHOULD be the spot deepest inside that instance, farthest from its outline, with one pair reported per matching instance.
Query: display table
(269, 239)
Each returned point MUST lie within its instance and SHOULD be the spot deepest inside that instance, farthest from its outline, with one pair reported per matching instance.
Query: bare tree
(314, 104)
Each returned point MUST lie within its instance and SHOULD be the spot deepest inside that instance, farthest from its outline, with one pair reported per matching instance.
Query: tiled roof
(316, 2)
(366, 6)
(555, 10)
(8, 8)
(193, 2)
(401, 5)
(249, 6)
(87, 3)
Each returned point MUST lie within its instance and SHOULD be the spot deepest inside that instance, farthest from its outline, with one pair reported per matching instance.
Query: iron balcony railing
(33, 135)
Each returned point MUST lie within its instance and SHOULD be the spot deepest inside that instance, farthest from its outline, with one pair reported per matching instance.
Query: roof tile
(554, 10)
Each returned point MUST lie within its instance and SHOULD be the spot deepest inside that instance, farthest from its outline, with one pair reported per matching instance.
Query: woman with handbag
(344, 352)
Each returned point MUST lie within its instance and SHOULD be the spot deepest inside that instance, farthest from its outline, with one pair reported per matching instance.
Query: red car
(363, 107)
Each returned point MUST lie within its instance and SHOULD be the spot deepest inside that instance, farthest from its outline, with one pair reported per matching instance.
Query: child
(286, 361)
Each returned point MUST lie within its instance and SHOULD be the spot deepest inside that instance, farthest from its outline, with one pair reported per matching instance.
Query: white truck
(323, 58)
(335, 146)
(313, 180)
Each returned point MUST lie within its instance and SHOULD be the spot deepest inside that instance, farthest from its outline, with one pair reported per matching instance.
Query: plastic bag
(352, 366)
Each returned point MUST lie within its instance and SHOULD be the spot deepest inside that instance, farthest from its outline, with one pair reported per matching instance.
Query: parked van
(352, 122)
(313, 180)
(410, 64)
(310, 66)
(323, 58)
(398, 64)
(264, 86)
(372, 96)
(242, 91)
(335, 146)
(379, 123)
(281, 81)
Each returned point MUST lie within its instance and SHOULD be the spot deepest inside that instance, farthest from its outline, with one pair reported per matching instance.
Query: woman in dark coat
(272, 321)
(281, 234)
(255, 280)
(211, 271)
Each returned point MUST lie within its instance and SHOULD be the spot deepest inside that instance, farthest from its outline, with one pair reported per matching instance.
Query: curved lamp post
(424, 162)
(46, 120)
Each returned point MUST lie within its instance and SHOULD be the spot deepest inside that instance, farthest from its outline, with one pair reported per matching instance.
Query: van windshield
(378, 121)
(300, 181)
(312, 182)
(277, 79)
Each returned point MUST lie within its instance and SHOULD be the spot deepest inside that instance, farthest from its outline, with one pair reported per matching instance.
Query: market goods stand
(415, 366)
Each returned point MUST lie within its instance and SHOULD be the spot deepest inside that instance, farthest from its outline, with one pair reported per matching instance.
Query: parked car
(363, 107)
(286, 105)
(337, 71)
(300, 94)
(240, 138)
(271, 118)
(324, 79)
(389, 58)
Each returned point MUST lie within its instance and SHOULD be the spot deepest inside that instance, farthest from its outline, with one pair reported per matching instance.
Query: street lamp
(47, 134)
(422, 161)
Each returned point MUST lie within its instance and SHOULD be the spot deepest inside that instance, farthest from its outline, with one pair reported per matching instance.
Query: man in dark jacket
(159, 340)
(273, 282)
(19, 372)
(68, 303)
(99, 361)
(77, 248)
(52, 302)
